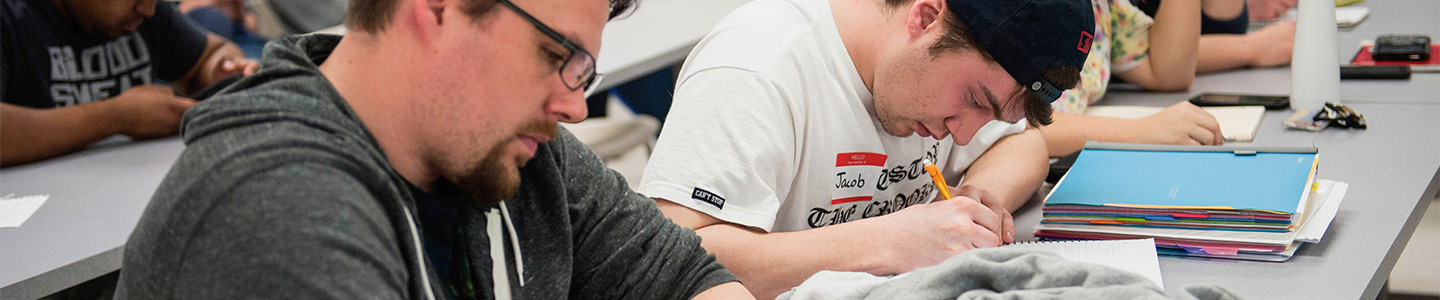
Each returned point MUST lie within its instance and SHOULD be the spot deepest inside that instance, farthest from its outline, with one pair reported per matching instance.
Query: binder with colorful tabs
(1184, 186)
(1210, 201)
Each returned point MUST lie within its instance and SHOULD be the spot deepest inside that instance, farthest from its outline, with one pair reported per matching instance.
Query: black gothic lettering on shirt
(820, 217)
(898, 173)
(901, 201)
(906, 171)
(857, 182)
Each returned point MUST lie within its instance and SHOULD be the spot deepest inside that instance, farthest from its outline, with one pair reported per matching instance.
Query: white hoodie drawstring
(498, 274)
(514, 243)
(419, 253)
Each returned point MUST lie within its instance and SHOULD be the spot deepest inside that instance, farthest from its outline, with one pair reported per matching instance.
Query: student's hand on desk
(150, 111)
(1180, 124)
(926, 234)
(1006, 232)
(1271, 46)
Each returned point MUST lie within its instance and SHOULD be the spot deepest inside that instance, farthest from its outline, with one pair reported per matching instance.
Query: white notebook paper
(1237, 123)
(1136, 256)
(14, 211)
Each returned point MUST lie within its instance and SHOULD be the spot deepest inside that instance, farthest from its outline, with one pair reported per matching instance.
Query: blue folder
(1194, 177)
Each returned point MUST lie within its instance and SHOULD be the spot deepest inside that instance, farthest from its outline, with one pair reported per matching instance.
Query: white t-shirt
(772, 128)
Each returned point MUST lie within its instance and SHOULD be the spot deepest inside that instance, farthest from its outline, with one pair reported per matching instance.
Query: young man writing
(799, 126)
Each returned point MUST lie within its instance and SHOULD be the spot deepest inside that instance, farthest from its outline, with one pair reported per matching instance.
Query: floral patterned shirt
(1122, 41)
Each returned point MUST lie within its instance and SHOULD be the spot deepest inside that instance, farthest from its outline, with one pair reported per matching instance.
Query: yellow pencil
(939, 179)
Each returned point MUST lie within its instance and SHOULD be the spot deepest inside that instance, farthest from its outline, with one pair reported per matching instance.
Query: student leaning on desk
(1160, 54)
(798, 128)
(78, 71)
(417, 157)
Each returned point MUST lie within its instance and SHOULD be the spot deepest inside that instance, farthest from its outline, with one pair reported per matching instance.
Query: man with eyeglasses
(417, 157)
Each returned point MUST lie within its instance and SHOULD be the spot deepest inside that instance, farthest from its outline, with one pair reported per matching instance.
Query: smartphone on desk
(1268, 101)
(1401, 47)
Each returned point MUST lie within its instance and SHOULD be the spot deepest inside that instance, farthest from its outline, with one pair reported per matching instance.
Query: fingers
(1007, 224)
(1219, 137)
(1212, 127)
(250, 67)
(1202, 136)
(231, 65)
(980, 214)
(1199, 126)
(228, 66)
(1007, 234)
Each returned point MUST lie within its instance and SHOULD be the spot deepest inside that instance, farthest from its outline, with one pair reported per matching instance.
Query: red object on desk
(1362, 58)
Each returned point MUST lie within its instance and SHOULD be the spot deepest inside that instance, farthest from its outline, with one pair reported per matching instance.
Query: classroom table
(1393, 169)
(96, 198)
(1386, 17)
(635, 44)
(657, 34)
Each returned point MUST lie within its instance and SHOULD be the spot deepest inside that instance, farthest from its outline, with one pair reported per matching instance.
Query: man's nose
(567, 105)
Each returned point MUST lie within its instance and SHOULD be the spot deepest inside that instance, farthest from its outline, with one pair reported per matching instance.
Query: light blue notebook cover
(1272, 181)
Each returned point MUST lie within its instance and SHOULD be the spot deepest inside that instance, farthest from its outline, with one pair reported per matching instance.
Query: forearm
(1070, 132)
(1222, 52)
(729, 290)
(772, 263)
(1012, 169)
(1174, 39)
(29, 134)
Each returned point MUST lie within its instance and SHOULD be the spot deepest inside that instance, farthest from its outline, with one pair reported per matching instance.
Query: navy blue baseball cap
(1028, 37)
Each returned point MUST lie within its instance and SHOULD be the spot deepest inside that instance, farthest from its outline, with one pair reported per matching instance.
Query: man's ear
(437, 8)
(424, 17)
(924, 16)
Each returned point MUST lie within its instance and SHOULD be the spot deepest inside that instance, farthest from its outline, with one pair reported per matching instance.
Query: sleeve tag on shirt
(708, 197)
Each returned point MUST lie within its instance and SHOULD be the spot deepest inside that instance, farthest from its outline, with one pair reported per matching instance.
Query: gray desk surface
(654, 35)
(96, 197)
(1392, 171)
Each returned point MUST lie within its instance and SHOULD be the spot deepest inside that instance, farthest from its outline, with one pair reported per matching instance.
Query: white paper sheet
(14, 211)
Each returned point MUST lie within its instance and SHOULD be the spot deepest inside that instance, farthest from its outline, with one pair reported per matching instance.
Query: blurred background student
(1162, 53)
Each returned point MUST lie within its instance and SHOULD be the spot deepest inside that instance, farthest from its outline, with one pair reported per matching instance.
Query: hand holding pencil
(1006, 232)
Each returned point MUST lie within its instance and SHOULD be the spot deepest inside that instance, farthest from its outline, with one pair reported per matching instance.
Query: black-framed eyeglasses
(578, 71)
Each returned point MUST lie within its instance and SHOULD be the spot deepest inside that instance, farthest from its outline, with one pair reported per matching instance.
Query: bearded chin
(887, 123)
(490, 182)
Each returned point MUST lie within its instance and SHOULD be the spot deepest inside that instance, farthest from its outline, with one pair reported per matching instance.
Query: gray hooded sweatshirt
(282, 193)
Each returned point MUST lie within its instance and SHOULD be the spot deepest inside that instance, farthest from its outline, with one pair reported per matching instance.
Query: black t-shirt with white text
(47, 61)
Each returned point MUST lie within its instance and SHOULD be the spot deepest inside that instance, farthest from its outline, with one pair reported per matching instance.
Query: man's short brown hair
(957, 38)
(374, 16)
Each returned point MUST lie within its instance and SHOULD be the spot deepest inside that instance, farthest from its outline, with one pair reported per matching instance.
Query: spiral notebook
(1137, 256)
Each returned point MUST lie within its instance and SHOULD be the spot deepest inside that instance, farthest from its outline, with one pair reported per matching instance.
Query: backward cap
(1027, 37)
